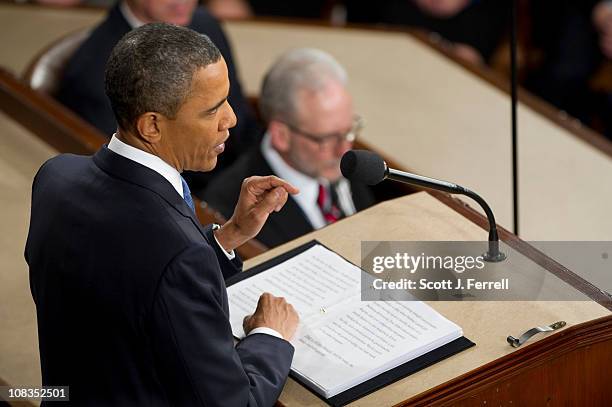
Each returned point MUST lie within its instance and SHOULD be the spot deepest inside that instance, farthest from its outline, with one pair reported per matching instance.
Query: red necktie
(328, 208)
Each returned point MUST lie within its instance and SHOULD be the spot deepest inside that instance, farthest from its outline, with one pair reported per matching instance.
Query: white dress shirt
(308, 186)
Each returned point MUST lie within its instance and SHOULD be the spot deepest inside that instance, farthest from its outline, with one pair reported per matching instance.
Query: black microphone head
(363, 166)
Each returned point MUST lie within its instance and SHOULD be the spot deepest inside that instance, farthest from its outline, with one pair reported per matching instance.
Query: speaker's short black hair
(151, 69)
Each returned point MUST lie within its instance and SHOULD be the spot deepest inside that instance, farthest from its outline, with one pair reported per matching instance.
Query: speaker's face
(197, 135)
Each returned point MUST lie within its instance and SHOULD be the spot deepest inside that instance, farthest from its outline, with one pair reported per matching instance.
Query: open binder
(359, 388)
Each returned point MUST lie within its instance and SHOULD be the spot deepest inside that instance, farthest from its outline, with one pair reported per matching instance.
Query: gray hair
(151, 69)
(299, 69)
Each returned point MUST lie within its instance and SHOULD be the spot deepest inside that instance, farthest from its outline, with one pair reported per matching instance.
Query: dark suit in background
(288, 224)
(82, 86)
(130, 295)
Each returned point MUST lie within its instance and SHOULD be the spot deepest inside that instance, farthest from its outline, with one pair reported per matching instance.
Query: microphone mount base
(494, 257)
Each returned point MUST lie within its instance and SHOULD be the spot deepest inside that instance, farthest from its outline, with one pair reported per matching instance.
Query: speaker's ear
(148, 127)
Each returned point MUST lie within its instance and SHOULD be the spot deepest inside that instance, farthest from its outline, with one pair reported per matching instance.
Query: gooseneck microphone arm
(414, 179)
(493, 255)
(369, 168)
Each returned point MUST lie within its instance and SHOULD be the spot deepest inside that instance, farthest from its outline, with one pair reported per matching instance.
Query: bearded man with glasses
(310, 123)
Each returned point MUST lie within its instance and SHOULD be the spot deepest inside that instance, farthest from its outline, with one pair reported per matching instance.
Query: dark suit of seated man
(129, 287)
(311, 124)
(82, 85)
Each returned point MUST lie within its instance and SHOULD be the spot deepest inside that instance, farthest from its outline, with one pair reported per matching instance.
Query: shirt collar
(129, 16)
(148, 160)
(308, 186)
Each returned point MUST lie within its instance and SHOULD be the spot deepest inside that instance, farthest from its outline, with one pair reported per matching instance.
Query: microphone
(369, 168)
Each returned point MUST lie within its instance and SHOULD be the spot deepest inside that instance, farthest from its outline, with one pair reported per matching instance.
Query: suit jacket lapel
(130, 171)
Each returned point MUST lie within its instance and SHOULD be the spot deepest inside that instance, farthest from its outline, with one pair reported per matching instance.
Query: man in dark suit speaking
(310, 124)
(129, 287)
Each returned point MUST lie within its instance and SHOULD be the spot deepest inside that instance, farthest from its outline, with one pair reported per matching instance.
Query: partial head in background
(442, 8)
(168, 88)
(309, 112)
(177, 12)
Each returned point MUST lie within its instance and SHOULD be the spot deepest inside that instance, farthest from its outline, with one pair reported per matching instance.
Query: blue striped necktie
(187, 195)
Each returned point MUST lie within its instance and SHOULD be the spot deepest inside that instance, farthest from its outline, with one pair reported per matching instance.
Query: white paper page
(311, 281)
(365, 339)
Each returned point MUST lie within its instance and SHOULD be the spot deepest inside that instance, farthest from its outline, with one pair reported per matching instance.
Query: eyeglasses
(332, 140)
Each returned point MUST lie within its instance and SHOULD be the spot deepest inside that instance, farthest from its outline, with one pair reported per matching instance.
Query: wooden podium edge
(46, 118)
(569, 340)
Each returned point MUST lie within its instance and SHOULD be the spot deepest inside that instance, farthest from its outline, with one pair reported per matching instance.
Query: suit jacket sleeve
(228, 267)
(196, 360)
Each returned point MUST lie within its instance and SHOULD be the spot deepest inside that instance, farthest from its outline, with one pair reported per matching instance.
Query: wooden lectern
(563, 368)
